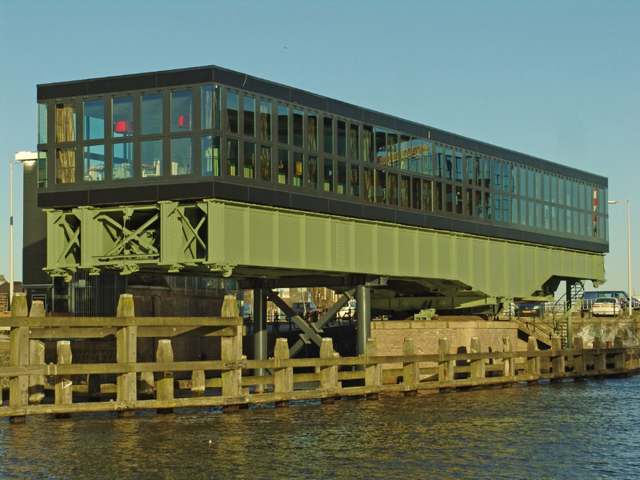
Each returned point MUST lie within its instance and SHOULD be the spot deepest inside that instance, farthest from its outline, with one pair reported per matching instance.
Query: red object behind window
(123, 126)
(184, 121)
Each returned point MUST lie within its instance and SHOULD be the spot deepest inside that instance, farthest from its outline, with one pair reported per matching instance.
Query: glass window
(249, 116)
(312, 172)
(232, 112)
(449, 164)
(328, 134)
(341, 130)
(354, 142)
(505, 177)
(497, 175)
(182, 111)
(283, 124)
(554, 187)
(427, 159)
(341, 186)
(354, 180)
(367, 143)
(298, 162)
(265, 120)
(514, 210)
(488, 206)
(181, 156)
(283, 166)
(381, 146)
(458, 200)
(368, 185)
(151, 155)
(93, 119)
(439, 161)
(406, 153)
(497, 207)
(487, 173)
(427, 192)
(210, 107)
(514, 183)
(523, 182)
(94, 163)
(65, 165)
(392, 188)
(249, 160)
(469, 170)
(547, 188)
(538, 186)
(505, 209)
(531, 215)
(448, 198)
(210, 156)
(458, 167)
(232, 157)
(479, 206)
(469, 201)
(65, 123)
(405, 191)
(416, 193)
(547, 218)
(122, 161)
(122, 117)
(438, 196)
(43, 177)
(477, 171)
(531, 190)
(568, 195)
(312, 130)
(523, 212)
(151, 114)
(381, 186)
(42, 123)
(265, 163)
(328, 175)
(392, 149)
(538, 215)
(298, 130)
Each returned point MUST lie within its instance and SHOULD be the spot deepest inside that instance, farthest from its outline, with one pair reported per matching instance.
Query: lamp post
(610, 202)
(20, 157)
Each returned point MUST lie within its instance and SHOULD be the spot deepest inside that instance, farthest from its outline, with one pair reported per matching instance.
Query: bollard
(198, 383)
(64, 385)
(36, 357)
(478, 369)
(146, 385)
(328, 373)
(410, 370)
(533, 363)
(283, 376)
(372, 371)
(509, 363)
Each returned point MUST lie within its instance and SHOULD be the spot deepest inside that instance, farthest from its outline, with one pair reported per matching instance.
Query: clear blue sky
(556, 79)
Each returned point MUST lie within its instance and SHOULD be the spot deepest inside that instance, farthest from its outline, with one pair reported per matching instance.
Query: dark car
(530, 309)
(305, 309)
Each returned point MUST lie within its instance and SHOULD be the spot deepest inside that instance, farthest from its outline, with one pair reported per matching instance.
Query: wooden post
(126, 353)
(231, 354)
(146, 385)
(533, 362)
(36, 357)
(64, 385)
(478, 369)
(283, 376)
(599, 358)
(164, 354)
(372, 371)
(329, 373)
(620, 360)
(445, 367)
(509, 363)
(198, 383)
(557, 362)
(410, 370)
(19, 356)
(579, 364)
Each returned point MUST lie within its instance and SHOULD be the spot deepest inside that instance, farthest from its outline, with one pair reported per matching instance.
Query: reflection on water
(569, 430)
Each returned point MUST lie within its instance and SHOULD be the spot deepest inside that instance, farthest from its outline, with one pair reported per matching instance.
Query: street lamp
(20, 157)
(629, 250)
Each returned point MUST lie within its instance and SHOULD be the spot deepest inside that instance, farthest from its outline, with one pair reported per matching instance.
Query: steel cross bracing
(426, 267)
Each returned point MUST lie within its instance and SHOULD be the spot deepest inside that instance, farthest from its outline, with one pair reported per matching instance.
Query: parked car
(305, 310)
(530, 309)
(348, 311)
(590, 297)
(610, 306)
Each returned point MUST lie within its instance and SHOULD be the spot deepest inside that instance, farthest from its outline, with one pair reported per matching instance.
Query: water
(581, 430)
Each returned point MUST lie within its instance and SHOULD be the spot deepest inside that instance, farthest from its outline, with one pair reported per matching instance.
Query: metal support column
(259, 331)
(363, 316)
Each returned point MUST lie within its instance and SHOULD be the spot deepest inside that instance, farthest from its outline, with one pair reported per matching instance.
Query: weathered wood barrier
(226, 382)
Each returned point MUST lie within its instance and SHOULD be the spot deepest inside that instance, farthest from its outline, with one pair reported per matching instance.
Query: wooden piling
(126, 353)
(198, 383)
(445, 367)
(509, 363)
(282, 376)
(533, 362)
(19, 356)
(478, 369)
(620, 360)
(557, 361)
(36, 357)
(372, 371)
(410, 370)
(328, 374)
(164, 385)
(579, 361)
(231, 354)
(599, 358)
(64, 385)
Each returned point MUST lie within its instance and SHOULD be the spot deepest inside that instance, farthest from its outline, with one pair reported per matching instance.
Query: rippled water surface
(579, 430)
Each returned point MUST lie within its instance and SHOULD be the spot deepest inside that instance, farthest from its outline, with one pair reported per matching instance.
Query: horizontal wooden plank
(81, 322)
